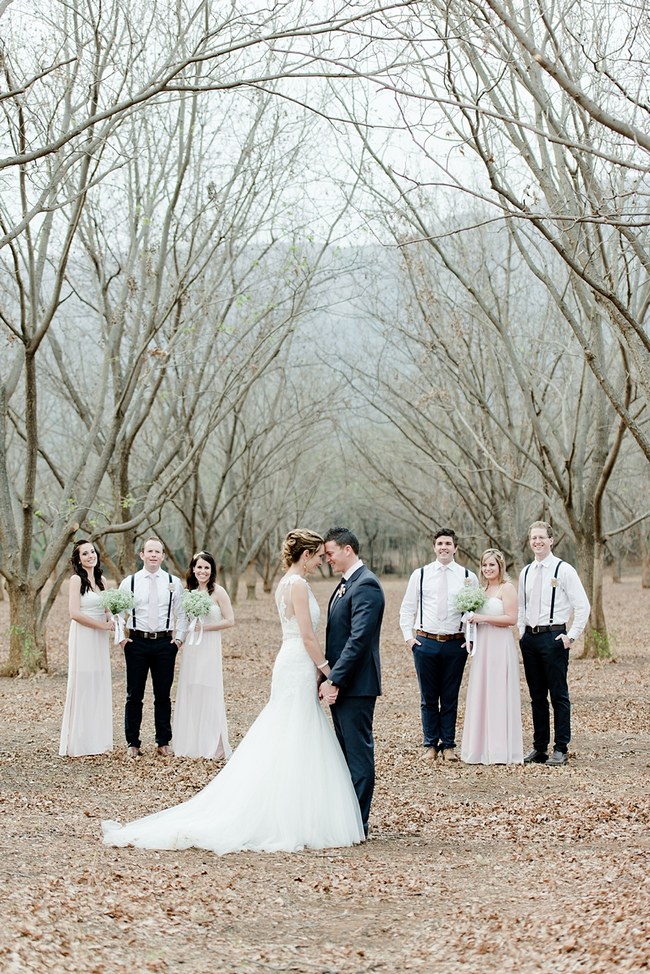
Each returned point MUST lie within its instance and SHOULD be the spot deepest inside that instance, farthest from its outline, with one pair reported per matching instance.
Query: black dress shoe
(536, 757)
(556, 760)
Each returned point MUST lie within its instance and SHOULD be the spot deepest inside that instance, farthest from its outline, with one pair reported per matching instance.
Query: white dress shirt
(351, 570)
(409, 613)
(570, 597)
(177, 618)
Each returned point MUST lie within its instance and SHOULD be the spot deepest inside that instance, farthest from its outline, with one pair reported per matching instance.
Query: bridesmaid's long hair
(191, 579)
(81, 571)
(501, 562)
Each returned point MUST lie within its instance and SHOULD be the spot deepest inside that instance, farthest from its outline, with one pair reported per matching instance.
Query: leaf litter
(468, 868)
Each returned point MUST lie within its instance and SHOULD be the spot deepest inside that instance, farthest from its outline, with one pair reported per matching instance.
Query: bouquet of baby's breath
(470, 599)
(195, 604)
(116, 601)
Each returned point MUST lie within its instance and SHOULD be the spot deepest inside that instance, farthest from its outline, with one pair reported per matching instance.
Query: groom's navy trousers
(352, 649)
(352, 719)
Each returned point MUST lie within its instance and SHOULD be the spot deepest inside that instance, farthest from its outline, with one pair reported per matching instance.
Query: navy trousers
(439, 667)
(352, 718)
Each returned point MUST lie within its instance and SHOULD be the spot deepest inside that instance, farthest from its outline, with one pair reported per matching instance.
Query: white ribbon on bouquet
(119, 627)
(470, 635)
(195, 632)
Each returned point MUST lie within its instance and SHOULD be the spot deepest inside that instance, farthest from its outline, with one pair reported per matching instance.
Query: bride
(287, 786)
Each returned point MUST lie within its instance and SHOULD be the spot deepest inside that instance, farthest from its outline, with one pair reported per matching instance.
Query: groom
(352, 649)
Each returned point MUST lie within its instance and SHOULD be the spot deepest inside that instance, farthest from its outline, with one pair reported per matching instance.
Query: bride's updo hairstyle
(298, 541)
(501, 562)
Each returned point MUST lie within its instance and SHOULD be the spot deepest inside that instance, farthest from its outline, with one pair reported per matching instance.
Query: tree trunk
(124, 561)
(27, 649)
(235, 574)
(590, 564)
(268, 574)
(250, 578)
(644, 554)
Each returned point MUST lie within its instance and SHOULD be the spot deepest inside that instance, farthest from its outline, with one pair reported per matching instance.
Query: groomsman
(151, 646)
(549, 592)
(431, 626)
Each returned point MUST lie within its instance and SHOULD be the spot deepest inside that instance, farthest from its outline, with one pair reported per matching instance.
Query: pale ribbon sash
(470, 635)
(195, 632)
(119, 627)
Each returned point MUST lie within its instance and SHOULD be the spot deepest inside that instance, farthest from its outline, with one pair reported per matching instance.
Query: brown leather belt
(534, 630)
(443, 637)
(141, 634)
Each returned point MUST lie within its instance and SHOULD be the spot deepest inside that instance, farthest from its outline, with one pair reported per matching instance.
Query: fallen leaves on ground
(468, 868)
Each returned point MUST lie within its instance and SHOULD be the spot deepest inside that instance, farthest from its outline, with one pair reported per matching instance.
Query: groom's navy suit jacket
(352, 638)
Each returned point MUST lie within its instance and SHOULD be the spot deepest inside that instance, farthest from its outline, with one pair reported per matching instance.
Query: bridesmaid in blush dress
(199, 728)
(88, 714)
(492, 730)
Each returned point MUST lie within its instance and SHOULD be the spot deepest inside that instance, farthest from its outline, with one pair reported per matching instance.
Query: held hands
(328, 692)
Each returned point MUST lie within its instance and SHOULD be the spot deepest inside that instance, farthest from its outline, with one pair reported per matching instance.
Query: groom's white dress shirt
(353, 568)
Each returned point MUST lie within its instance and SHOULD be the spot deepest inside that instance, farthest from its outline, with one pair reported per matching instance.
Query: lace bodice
(284, 602)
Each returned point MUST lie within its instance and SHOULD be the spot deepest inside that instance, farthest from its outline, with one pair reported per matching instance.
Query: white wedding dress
(286, 787)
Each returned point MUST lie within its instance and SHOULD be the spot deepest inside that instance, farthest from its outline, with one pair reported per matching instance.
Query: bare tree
(128, 287)
(539, 113)
(499, 422)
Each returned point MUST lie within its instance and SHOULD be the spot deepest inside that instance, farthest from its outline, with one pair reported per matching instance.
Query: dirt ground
(481, 869)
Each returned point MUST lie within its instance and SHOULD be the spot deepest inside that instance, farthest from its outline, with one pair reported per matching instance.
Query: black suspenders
(421, 581)
(555, 574)
(169, 605)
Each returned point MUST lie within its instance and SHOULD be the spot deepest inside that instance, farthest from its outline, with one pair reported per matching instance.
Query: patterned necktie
(443, 593)
(152, 616)
(535, 604)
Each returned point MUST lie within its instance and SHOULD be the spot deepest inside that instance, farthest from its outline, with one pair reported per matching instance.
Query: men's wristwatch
(571, 640)
(329, 682)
